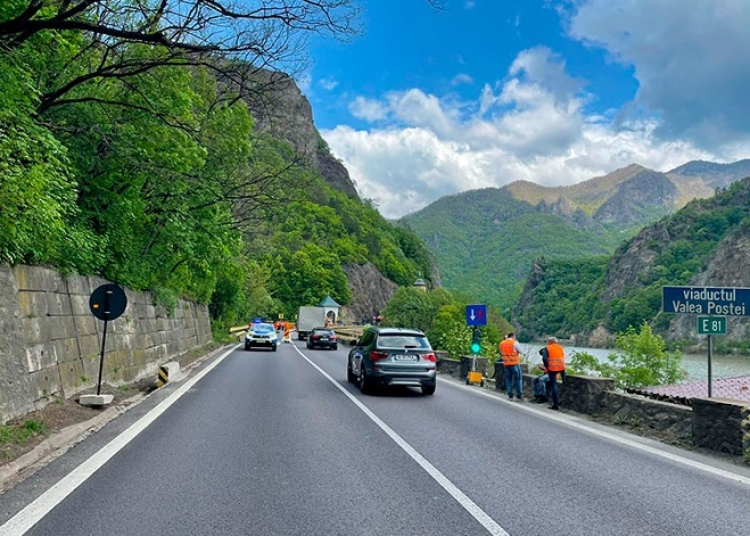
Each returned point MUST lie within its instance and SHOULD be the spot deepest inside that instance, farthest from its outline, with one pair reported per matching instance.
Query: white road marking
(33, 512)
(582, 426)
(36, 510)
(470, 506)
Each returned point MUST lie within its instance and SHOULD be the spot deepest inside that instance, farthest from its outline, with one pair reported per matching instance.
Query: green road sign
(712, 325)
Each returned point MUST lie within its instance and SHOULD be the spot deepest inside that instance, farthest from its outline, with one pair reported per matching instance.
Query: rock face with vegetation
(485, 241)
(285, 113)
(706, 243)
(727, 267)
(370, 293)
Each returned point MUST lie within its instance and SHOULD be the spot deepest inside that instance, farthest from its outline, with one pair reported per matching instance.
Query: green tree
(410, 307)
(643, 360)
(449, 331)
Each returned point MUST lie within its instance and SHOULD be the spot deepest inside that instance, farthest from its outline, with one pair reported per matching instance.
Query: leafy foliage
(641, 360)
(485, 242)
(132, 160)
(562, 299)
(442, 316)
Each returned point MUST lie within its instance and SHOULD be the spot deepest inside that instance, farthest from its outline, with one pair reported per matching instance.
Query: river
(696, 365)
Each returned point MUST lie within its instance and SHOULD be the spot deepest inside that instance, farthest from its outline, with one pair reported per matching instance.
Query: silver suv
(392, 356)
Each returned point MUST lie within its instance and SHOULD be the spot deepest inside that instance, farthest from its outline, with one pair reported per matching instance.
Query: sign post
(106, 303)
(711, 325)
(717, 302)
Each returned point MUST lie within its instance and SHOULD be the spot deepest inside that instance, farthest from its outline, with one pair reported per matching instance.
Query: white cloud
(536, 123)
(690, 60)
(328, 84)
(531, 126)
(367, 109)
(462, 78)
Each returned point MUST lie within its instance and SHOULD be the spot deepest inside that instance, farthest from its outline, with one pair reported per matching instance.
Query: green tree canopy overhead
(130, 153)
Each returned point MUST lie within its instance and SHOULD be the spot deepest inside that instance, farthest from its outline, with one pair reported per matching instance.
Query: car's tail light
(429, 357)
(334, 337)
(376, 356)
(315, 337)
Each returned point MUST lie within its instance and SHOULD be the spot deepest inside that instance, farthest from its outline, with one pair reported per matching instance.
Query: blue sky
(426, 103)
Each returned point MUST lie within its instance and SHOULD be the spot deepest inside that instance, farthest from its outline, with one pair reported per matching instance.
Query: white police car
(261, 334)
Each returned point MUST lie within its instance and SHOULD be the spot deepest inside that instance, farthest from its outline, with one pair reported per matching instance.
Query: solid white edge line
(470, 506)
(561, 418)
(42, 505)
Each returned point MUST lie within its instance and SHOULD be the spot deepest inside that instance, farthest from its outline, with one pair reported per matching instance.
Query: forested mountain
(706, 243)
(485, 241)
(129, 149)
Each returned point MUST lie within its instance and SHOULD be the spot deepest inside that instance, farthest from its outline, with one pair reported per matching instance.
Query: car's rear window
(323, 332)
(386, 340)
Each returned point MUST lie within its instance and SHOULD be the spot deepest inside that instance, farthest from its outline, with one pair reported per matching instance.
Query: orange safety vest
(510, 356)
(556, 358)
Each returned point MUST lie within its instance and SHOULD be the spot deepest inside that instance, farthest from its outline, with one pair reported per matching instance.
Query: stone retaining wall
(50, 342)
(721, 424)
(716, 424)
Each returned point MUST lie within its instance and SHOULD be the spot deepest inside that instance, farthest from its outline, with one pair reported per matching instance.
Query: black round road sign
(108, 302)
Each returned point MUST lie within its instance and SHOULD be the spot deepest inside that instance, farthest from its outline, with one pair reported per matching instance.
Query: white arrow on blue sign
(476, 315)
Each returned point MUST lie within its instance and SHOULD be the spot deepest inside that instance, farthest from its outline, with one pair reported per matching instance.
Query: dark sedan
(322, 338)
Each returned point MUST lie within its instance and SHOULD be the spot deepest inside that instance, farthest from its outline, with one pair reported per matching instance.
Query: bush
(643, 360)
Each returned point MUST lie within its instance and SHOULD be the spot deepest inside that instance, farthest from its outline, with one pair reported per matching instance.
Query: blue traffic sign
(720, 301)
(476, 315)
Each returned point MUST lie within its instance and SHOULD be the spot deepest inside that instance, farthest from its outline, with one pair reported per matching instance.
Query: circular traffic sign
(108, 302)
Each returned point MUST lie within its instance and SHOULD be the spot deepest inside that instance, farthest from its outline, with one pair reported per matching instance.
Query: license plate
(406, 358)
(324, 338)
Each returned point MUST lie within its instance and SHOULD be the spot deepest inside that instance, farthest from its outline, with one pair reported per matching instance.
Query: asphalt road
(278, 443)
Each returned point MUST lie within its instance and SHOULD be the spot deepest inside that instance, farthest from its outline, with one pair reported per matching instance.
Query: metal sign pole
(101, 360)
(107, 303)
(710, 344)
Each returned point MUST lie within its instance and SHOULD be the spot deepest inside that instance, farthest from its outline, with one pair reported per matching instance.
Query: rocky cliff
(644, 197)
(714, 234)
(282, 111)
(728, 267)
(371, 292)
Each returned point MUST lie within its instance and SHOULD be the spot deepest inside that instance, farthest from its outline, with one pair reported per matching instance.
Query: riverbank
(695, 365)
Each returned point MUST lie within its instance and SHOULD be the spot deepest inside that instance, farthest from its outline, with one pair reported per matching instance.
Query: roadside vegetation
(13, 435)
(640, 359)
(129, 153)
(441, 315)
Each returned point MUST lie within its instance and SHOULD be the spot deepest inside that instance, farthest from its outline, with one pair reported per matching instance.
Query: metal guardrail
(348, 333)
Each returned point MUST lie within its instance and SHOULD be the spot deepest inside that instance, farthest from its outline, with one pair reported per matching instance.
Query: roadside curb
(59, 443)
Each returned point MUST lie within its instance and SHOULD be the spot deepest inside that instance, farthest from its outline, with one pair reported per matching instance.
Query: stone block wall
(640, 412)
(721, 424)
(51, 343)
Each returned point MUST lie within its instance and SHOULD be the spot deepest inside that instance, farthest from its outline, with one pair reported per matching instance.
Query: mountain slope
(485, 241)
(706, 243)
